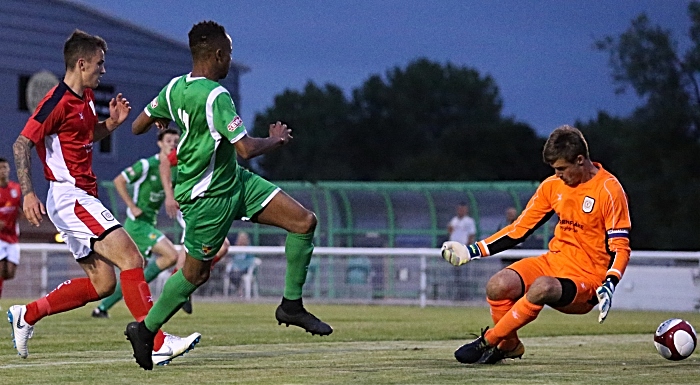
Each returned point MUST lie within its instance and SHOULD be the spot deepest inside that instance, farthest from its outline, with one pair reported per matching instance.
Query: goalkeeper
(586, 258)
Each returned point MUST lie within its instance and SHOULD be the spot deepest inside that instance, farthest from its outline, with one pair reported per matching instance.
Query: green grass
(242, 343)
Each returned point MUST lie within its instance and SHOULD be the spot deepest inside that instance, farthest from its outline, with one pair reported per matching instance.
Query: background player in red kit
(63, 129)
(10, 209)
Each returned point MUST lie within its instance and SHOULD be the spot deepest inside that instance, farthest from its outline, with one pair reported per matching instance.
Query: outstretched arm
(248, 147)
(32, 206)
(537, 212)
(144, 122)
(118, 112)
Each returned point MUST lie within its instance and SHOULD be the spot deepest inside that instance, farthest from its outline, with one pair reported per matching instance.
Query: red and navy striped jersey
(62, 129)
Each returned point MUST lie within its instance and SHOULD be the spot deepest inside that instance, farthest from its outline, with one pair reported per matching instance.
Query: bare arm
(248, 147)
(103, 129)
(32, 207)
(144, 122)
(120, 186)
(118, 112)
(171, 206)
(22, 150)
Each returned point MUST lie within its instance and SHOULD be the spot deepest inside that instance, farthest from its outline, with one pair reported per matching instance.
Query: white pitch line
(61, 363)
(206, 353)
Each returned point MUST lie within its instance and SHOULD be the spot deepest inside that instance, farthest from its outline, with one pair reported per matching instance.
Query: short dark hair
(3, 160)
(162, 134)
(205, 38)
(81, 44)
(565, 142)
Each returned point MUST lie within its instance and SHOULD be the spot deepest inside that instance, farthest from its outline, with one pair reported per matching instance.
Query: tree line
(441, 122)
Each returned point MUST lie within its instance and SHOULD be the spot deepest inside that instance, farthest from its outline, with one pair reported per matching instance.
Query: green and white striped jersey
(206, 115)
(148, 193)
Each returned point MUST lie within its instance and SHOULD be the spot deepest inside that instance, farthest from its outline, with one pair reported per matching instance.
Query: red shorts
(532, 268)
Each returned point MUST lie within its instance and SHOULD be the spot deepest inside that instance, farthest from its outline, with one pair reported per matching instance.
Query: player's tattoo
(22, 152)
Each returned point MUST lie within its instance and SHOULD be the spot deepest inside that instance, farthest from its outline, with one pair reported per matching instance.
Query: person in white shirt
(462, 227)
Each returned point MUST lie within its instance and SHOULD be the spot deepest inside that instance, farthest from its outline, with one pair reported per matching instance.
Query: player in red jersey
(586, 259)
(10, 209)
(63, 129)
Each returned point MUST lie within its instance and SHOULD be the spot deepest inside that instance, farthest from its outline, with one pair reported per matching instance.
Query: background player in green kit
(212, 190)
(142, 214)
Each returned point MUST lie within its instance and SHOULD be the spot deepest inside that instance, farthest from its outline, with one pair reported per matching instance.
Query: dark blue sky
(540, 53)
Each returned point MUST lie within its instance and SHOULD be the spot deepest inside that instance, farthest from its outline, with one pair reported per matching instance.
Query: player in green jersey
(212, 190)
(172, 209)
(142, 214)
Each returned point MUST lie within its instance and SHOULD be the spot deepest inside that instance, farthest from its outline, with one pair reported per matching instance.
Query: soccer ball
(675, 339)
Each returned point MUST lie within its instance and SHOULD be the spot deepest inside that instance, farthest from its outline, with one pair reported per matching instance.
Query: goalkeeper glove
(605, 294)
(458, 254)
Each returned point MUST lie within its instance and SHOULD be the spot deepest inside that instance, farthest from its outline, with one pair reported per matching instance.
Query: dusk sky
(540, 53)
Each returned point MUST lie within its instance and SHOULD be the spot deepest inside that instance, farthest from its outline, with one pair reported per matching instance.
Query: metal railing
(423, 256)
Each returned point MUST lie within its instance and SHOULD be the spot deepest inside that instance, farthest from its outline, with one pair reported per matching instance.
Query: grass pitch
(242, 343)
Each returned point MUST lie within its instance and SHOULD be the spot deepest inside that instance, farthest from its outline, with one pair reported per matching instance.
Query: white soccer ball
(675, 339)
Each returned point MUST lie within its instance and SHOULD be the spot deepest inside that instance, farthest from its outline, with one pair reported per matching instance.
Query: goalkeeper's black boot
(495, 355)
(293, 313)
(472, 352)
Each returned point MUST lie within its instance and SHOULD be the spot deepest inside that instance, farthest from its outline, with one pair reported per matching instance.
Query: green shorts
(144, 235)
(208, 219)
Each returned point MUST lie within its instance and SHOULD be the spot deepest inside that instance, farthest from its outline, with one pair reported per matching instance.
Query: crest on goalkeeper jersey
(588, 204)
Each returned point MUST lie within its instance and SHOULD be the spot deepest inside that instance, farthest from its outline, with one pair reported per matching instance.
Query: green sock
(298, 249)
(175, 292)
(151, 271)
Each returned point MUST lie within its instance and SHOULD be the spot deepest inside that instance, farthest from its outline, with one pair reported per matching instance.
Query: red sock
(137, 297)
(2, 280)
(214, 261)
(69, 295)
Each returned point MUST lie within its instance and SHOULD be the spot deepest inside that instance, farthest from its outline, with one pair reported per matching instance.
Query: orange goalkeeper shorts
(545, 265)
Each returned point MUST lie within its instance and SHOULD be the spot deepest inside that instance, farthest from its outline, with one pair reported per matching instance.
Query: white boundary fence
(655, 280)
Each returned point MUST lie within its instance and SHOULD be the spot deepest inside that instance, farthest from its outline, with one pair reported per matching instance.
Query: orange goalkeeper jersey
(592, 236)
